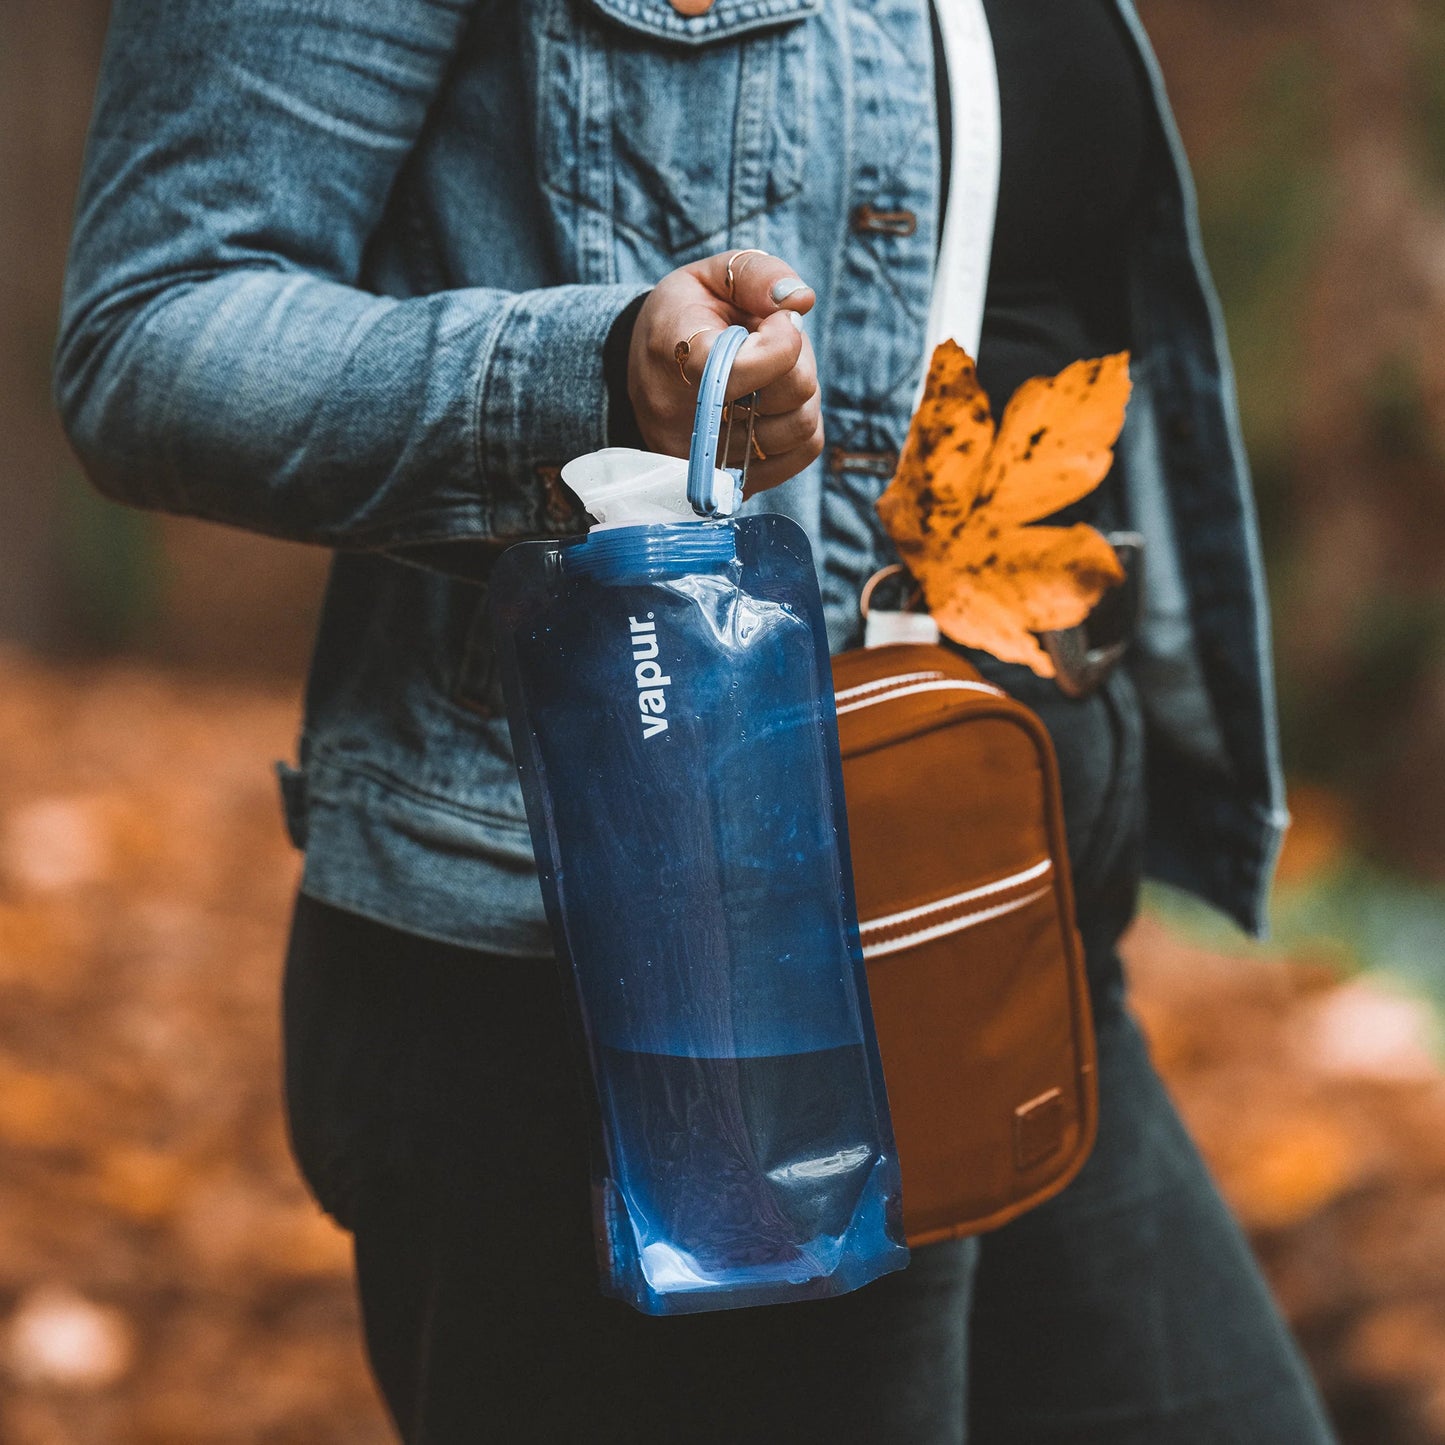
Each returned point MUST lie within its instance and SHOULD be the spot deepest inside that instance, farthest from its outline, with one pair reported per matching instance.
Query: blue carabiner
(703, 486)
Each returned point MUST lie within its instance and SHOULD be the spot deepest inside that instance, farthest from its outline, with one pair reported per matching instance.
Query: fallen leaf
(54, 844)
(1366, 1030)
(1318, 836)
(63, 1340)
(139, 1183)
(40, 1110)
(1280, 1171)
(959, 507)
(1399, 1343)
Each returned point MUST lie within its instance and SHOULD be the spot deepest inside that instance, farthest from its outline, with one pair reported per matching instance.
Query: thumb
(760, 284)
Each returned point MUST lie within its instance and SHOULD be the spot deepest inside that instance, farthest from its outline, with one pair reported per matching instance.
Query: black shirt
(1073, 137)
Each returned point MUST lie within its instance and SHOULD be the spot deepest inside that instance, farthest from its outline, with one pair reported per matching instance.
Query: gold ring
(733, 276)
(683, 350)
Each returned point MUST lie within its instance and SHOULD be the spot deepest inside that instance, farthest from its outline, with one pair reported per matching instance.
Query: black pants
(436, 1110)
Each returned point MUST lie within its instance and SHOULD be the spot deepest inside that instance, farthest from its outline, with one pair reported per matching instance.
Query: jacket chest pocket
(676, 128)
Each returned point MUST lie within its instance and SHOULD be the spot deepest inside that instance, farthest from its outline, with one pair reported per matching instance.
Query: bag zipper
(905, 685)
(949, 915)
(878, 682)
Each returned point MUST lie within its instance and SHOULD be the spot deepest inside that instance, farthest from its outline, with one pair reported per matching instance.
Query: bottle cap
(621, 486)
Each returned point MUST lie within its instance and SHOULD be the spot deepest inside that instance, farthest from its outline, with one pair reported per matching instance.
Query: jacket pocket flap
(723, 20)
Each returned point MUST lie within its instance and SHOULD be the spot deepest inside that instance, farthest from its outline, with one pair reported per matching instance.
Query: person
(364, 277)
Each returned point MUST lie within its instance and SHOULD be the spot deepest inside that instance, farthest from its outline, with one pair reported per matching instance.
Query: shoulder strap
(961, 282)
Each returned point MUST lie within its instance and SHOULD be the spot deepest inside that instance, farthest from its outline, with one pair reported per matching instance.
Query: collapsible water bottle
(671, 709)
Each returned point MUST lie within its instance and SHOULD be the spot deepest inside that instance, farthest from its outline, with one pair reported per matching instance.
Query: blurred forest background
(163, 1277)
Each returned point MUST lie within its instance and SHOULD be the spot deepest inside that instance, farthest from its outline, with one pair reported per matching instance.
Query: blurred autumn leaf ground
(163, 1276)
(164, 1279)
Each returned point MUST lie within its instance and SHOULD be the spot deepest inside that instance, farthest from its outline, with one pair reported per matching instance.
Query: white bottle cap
(621, 486)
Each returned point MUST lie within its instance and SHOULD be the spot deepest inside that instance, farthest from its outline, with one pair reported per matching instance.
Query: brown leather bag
(975, 968)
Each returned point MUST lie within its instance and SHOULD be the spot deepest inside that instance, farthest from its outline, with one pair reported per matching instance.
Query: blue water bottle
(671, 709)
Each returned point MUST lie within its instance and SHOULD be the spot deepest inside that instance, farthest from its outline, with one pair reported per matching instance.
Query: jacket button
(692, 7)
(870, 464)
(869, 219)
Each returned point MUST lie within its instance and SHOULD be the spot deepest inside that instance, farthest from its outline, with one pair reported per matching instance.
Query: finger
(792, 390)
(762, 284)
(776, 469)
(767, 356)
(701, 324)
(765, 474)
(699, 328)
(776, 434)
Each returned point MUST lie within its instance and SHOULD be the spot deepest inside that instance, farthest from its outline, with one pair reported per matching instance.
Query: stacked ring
(683, 350)
(733, 275)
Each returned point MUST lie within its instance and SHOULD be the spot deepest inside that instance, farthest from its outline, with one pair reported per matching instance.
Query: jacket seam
(586, 203)
(478, 411)
(322, 759)
(366, 908)
(666, 25)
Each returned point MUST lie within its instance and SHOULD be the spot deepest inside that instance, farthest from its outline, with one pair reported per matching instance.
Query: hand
(776, 361)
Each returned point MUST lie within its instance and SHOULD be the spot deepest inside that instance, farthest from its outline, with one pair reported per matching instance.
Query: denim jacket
(344, 273)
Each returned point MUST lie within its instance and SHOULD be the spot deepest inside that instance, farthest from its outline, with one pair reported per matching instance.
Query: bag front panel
(975, 971)
(977, 1034)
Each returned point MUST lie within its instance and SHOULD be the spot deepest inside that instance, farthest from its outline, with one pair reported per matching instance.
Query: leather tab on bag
(1038, 1129)
(884, 628)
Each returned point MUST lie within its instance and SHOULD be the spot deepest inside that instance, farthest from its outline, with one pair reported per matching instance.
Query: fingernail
(796, 318)
(787, 287)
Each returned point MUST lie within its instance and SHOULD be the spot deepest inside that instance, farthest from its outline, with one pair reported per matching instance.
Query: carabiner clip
(704, 490)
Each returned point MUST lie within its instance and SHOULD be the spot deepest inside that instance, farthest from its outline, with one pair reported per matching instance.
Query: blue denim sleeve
(217, 356)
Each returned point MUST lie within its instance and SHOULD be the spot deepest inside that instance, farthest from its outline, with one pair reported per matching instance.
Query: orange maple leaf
(959, 504)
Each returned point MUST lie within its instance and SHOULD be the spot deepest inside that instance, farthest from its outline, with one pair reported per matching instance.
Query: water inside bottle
(750, 1167)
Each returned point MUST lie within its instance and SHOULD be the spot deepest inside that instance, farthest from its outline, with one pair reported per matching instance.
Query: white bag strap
(961, 279)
